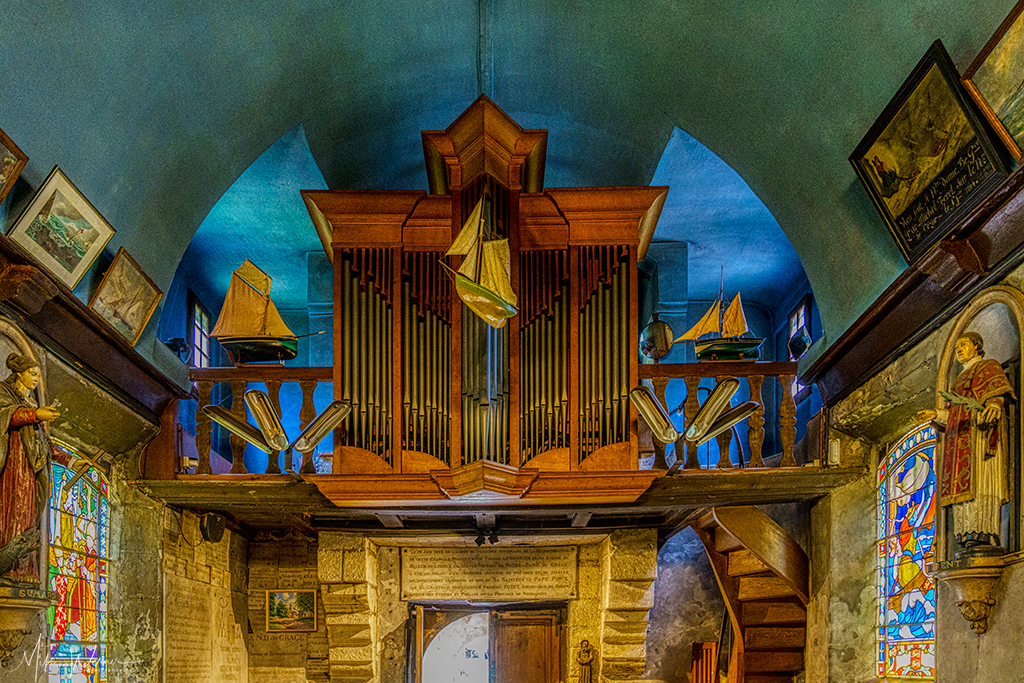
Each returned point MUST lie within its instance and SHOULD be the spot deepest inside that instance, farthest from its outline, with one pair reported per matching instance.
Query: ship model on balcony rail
(483, 281)
(249, 327)
(719, 335)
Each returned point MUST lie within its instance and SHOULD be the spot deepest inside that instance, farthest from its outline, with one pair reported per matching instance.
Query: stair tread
(773, 613)
(763, 587)
(744, 563)
(765, 661)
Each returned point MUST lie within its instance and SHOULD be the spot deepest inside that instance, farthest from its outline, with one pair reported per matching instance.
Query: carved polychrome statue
(24, 470)
(972, 478)
(585, 658)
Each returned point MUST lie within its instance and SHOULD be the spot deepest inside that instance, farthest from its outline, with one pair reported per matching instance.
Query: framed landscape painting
(12, 161)
(290, 611)
(927, 160)
(996, 80)
(61, 229)
(126, 297)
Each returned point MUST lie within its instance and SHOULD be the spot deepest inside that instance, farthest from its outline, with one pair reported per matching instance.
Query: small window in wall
(79, 520)
(199, 333)
(906, 535)
(799, 340)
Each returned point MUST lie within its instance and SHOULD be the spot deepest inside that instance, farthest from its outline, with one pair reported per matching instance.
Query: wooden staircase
(764, 577)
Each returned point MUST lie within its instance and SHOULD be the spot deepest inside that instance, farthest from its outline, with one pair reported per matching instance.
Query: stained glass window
(906, 595)
(79, 514)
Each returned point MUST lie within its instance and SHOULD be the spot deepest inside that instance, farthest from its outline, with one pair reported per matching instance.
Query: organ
(431, 385)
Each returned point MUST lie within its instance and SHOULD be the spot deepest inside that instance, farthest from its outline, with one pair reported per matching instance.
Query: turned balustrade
(239, 380)
(755, 374)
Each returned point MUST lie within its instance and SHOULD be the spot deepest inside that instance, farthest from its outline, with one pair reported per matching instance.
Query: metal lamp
(266, 418)
(238, 427)
(654, 414)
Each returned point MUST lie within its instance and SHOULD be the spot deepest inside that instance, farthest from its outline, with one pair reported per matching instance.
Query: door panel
(525, 647)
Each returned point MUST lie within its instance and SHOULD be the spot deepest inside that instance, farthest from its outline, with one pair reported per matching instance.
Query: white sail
(735, 323)
(494, 270)
(470, 233)
(706, 325)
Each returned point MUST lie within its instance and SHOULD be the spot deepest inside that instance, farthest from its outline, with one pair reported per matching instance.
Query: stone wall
(841, 645)
(205, 629)
(367, 621)
(284, 564)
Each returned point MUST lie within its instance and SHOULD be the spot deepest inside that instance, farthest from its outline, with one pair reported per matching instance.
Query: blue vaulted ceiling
(155, 110)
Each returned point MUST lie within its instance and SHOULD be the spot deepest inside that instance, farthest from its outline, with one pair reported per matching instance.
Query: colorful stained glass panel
(79, 514)
(906, 595)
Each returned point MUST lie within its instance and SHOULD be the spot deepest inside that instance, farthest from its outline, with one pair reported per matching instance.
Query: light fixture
(718, 401)
(728, 419)
(237, 427)
(322, 425)
(654, 414)
(480, 538)
(492, 538)
(266, 418)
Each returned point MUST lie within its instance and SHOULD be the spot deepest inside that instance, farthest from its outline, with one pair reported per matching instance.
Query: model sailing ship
(719, 334)
(249, 327)
(483, 281)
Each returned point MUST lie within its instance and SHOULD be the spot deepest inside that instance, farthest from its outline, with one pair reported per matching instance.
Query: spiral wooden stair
(764, 577)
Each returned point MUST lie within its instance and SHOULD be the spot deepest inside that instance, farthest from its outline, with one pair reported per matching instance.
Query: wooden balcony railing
(755, 374)
(758, 376)
(239, 380)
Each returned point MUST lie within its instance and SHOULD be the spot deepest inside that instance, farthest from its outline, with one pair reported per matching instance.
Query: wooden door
(525, 647)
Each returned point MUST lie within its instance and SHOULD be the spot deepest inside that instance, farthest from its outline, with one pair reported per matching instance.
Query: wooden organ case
(437, 392)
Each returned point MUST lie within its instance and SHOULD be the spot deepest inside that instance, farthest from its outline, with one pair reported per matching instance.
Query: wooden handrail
(769, 543)
(259, 373)
(717, 369)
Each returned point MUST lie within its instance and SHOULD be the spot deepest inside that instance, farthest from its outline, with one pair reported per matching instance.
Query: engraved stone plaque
(489, 573)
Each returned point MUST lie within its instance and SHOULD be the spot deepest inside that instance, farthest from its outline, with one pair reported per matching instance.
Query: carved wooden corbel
(25, 287)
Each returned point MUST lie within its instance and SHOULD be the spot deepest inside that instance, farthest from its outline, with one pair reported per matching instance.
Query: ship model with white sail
(719, 335)
(249, 327)
(483, 281)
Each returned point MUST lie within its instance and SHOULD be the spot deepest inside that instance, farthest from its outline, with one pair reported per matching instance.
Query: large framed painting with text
(927, 160)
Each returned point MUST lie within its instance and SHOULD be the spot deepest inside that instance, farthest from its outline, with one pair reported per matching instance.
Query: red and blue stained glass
(78, 574)
(906, 533)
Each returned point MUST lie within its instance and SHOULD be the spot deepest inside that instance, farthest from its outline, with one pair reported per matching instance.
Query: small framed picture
(62, 230)
(12, 161)
(126, 297)
(290, 611)
(994, 80)
(928, 160)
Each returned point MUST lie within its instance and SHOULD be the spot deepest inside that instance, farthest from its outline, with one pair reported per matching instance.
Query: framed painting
(12, 161)
(61, 229)
(928, 160)
(996, 80)
(126, 297)
(290, 611)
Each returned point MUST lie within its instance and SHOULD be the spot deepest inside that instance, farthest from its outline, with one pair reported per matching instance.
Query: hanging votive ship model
(483, 281)
(249, 327)
(719, 335)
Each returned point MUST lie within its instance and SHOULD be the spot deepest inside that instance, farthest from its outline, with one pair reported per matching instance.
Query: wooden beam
(581, 519)
(389, 521)
(746, 486)
(254, 373)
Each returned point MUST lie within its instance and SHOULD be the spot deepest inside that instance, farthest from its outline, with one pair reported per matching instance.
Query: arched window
(79, 520)
(906, 535)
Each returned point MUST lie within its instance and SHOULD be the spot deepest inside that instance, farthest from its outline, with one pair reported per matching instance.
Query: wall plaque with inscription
(456, 573)
(928, 160)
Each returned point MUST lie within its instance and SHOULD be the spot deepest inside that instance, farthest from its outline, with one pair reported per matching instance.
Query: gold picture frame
(12, 162)
(127, 297)
(61, 229)
(291, 611)
(994, 80)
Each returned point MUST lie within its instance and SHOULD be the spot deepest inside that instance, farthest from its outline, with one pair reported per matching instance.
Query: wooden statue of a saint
(24, 470)
(585, 658)
(972, 476)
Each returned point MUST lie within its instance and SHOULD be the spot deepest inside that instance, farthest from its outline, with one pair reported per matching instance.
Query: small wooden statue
(585, 657)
